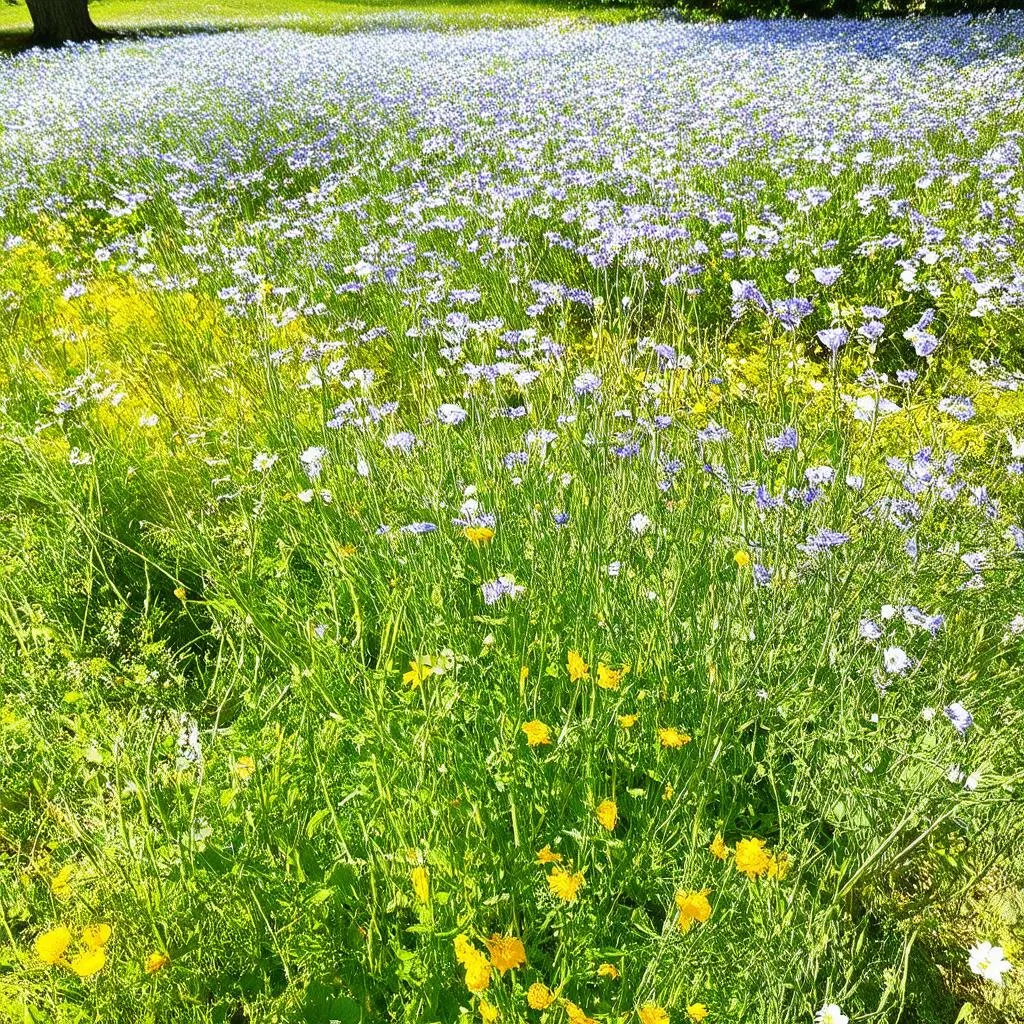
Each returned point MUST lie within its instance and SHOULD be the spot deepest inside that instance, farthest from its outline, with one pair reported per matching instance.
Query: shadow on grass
(353, 17)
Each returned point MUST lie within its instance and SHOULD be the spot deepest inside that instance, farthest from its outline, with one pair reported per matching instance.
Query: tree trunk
(61, 21)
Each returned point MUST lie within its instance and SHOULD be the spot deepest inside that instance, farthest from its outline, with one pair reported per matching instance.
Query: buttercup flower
(95, 935)
(697, 1012)
(156, 961)
(89, 962)
(51, 946)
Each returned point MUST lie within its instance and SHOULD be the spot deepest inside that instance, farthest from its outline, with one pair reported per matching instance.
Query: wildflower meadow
(514, 523)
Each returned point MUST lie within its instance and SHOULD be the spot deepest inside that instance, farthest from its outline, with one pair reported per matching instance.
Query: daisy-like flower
(507, 952)
(564, 884)
(831, 1014)
(989, 962)
(752, 859)
(537, 733)
(671, 738)
(718, 847)
(628, 721)
(578, 668)
(692, 906)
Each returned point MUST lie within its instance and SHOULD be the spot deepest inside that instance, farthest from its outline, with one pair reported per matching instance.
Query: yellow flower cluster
(506, 953)
(52, 948)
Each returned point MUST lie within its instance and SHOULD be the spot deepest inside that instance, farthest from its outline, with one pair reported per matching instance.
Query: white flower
(305, 496)
(1016, 446)
(927, 714)
(831, 1014)
(263, 462)
(639, 524)
(989, 962)
(451, 415)
(149, 420)
(896, 661)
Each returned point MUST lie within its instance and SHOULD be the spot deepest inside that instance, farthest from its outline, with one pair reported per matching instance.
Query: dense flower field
(516, 525)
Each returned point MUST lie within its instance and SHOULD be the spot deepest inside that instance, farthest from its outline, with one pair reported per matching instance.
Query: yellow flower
(609, 678)
(179, 593)
(752, 858)
(742, 559)
(778, 866)
(51, 946)
(718, 847)
(652, 1014)
(94, 936)
(478, 973)
(672, 738)
(245, 766)
(693, 906)
(488, 1012)
(668, 792)
(463, 948)
(539, 996)
(479, 534)
(537, 733)
(608, 971)
(564, 884)
(421, 883)
(576, 1015)
(60, 885)
(507, 952)
(628, 721)
(524, 674)
(156, 961)
(548, 856)
(89, 962)
(418, 671)
(607, 814)
(697, 1012)
(578, 668)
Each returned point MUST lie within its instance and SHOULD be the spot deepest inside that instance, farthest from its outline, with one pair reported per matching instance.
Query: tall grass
(309, 695)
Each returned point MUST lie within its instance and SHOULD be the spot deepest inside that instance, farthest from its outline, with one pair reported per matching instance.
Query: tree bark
(61, 21)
